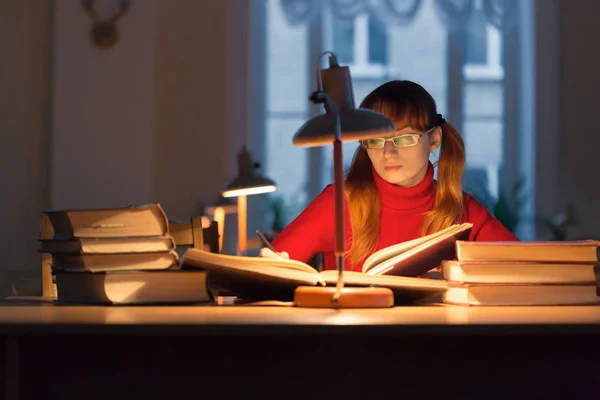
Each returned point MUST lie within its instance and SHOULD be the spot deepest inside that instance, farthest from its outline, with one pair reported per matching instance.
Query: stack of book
(118, 256)
(523, 273)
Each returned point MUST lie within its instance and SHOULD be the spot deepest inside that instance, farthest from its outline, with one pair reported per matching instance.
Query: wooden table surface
(429, 351)
(16, 318)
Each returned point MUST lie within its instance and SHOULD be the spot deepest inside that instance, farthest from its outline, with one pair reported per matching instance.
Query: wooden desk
(284, 352)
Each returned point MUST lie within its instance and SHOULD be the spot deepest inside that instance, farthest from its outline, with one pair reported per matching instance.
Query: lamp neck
(244, 162)
(338, 85)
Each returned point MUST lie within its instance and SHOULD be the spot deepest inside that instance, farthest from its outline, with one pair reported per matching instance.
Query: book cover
(538, 251)
(133, 287)
(143, 220)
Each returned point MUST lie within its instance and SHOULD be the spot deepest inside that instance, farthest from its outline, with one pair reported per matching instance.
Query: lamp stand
(242, 230)
(219, 216)
(347, 297)
(340, 297)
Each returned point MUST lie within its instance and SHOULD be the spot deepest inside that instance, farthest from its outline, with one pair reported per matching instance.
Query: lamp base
(350, 297)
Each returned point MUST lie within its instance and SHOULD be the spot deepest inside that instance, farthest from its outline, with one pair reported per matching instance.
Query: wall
(200, 67)
(149, 118)
(190, 103)
(579, 140)
(103, 149)
(24, 128)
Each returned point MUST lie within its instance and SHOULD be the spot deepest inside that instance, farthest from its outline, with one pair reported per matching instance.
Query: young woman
(391, 196)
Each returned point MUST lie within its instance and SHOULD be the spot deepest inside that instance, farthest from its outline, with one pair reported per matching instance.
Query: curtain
(454, 14)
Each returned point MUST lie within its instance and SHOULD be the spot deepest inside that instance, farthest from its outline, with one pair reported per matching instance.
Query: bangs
(403, 113)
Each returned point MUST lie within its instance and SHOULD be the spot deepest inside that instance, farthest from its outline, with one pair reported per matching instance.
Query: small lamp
(247, 182)
(219, 209)
(342, 122)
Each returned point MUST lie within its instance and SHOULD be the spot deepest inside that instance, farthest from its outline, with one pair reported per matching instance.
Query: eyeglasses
(399, 141)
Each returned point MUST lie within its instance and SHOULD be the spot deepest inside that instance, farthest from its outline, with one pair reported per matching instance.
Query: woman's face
(404, 165)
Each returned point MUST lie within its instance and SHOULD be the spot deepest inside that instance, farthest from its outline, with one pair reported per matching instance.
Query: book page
(405, 289)
(392, 251)
(355, 278)
(425, 256)
(202, 258)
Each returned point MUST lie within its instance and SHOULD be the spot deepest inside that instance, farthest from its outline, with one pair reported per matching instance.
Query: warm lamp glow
(248, 181)
(249, 191)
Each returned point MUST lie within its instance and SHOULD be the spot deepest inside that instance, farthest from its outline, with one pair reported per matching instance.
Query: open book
(260, 278)
(395, 267)
(417, 256)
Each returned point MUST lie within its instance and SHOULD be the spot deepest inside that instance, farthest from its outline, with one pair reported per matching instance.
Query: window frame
(492, 69)
(361, 66)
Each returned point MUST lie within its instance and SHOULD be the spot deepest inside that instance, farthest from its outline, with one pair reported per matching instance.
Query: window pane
(343, 40)
(377, 41)
(286, 163)
(287, 52)
(287, 108)
(483, 110)
(417, 51)
(483, 143)
(483, 98)
(476, 47)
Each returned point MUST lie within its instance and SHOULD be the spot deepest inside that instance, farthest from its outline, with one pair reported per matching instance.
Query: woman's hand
(265, 252)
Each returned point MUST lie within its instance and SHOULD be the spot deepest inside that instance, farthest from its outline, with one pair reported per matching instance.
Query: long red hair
(408, 102)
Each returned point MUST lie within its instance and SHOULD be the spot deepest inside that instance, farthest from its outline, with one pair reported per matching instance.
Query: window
(287, 108)
(362, 44)
(374, 61)
(476, 49)
(483, 107)
(377, 52)
(483, 48)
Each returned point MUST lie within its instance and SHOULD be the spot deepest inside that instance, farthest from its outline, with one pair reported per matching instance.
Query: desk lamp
(247, 182)
(341, 122)
(219, 210)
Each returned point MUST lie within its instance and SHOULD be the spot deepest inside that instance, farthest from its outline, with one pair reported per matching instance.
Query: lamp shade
(248, 181)
(355, 123)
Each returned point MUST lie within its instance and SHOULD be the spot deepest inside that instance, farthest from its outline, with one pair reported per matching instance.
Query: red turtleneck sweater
(402, 211)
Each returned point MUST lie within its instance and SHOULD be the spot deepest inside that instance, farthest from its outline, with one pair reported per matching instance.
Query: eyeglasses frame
(417, 135)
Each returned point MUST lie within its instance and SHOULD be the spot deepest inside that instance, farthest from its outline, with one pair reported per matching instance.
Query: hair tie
(440, 120)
